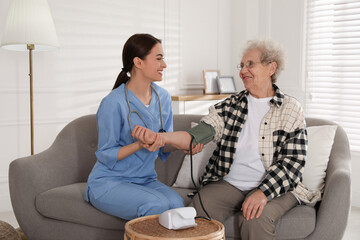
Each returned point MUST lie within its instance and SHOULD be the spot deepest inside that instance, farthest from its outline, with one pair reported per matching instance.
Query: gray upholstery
(47, 190)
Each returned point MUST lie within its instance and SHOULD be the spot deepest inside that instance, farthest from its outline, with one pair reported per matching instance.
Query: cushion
(297, 223)
(183, 192)
(320, 141)
(200, 161)
(66, 203)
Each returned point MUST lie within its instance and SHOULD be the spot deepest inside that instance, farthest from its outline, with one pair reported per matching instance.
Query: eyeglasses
(248, 65)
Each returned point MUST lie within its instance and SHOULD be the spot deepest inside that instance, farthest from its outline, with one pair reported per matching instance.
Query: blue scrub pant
(131, 200)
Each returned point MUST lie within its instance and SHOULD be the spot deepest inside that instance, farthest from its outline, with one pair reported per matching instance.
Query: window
(333, 64)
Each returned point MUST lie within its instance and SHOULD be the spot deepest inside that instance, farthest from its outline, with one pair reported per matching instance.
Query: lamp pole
(29, 24)
(31, 47)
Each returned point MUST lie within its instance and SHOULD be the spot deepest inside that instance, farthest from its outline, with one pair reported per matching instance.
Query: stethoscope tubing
(136, 112)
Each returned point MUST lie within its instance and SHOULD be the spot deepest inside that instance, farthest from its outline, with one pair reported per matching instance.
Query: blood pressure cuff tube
(202, 133)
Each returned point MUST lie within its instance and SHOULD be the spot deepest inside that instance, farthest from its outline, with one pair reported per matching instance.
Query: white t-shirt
(247, 170)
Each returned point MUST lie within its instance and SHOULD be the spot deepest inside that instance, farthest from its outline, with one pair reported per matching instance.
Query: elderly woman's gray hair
(270, 52)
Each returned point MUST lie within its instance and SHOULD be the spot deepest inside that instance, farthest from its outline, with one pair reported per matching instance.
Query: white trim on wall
(26, 122)
(47, 90)
(5, 203)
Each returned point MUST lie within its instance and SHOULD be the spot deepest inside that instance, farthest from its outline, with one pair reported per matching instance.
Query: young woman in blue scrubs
(123, 181)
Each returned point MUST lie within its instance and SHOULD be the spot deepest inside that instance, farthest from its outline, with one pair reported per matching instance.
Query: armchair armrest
(69, 160)
(332, 215)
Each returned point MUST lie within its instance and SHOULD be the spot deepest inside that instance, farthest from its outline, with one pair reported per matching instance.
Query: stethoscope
(136, 112)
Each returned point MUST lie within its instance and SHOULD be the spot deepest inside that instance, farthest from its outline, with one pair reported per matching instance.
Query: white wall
(71, 81)
(205, 41)
(280, 20)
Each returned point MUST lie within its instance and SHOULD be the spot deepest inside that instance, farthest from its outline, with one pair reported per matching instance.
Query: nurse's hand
(144, 135)
(198, 148)
(158, 143)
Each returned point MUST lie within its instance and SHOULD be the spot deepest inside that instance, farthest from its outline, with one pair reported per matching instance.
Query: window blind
(333, 64)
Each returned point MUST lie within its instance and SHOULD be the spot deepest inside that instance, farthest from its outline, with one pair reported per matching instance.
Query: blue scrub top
(114, 132)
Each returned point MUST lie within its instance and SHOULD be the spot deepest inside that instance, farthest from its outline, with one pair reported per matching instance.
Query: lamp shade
(29, 22)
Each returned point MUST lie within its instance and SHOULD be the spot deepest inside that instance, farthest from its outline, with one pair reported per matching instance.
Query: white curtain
(333, 64)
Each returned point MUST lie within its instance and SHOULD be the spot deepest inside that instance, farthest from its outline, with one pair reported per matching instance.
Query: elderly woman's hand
(198, 148)
(254, 205)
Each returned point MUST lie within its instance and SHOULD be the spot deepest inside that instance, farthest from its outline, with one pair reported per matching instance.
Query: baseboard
(355, 201)
(5, 202)
(355, 179)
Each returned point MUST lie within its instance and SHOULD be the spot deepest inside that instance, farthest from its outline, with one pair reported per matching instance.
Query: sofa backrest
(81, 136)
(167, 171)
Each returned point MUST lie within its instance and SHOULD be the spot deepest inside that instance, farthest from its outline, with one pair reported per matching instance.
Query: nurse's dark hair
(138, 45)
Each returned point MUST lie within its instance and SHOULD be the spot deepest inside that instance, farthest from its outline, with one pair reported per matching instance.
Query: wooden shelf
(199, 97)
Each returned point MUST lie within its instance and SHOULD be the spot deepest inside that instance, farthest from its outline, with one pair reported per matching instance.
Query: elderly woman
(261, 147)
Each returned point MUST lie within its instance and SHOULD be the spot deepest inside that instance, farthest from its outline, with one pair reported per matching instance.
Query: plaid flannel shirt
(282, 143)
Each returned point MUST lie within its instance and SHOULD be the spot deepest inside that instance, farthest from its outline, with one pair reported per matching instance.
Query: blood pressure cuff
(202, 133)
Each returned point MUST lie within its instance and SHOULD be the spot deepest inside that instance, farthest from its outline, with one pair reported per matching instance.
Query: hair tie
(126, 71)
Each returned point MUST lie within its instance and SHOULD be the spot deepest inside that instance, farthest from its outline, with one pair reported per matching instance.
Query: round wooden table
(149, 228)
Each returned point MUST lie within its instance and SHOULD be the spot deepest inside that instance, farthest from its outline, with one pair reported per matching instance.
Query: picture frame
(226, 84)
(210, 82)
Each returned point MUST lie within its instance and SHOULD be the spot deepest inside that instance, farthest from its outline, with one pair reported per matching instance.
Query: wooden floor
(352, 231)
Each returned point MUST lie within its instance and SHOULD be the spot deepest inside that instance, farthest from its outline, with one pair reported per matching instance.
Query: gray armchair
(47, 190)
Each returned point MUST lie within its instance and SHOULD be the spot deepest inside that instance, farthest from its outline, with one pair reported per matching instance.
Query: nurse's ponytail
(138, 45)
(122, 78)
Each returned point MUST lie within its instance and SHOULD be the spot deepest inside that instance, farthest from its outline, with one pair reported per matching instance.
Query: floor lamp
(29, 27)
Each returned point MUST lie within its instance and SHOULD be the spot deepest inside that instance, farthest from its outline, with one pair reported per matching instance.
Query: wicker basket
(7, 232)
(148, 228)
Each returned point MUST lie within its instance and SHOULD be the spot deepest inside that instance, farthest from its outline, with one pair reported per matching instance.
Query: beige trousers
(221, 200)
